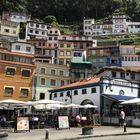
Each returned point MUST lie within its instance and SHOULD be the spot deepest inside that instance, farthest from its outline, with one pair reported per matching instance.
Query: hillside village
(47, 63)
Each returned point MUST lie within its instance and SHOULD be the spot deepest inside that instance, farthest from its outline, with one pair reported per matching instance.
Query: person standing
(122, 117)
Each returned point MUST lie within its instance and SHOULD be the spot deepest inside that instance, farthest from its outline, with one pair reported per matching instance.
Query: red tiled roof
(17, 54)
(79, 83)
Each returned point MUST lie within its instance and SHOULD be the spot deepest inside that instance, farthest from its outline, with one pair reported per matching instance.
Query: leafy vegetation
(73, 10)
(70, 13)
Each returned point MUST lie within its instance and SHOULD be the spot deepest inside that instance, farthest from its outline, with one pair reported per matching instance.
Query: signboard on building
(63, 122)
(22, 124)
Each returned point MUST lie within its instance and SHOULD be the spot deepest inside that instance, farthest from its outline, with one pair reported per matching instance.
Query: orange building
(16, 75)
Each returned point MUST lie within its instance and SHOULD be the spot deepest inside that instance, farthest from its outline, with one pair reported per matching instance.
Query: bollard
(124, 126)
(47, 135)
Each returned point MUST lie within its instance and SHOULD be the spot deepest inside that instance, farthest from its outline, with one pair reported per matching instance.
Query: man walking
(122, 117)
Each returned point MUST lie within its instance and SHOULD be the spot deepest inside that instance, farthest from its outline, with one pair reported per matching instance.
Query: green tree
(50, 19)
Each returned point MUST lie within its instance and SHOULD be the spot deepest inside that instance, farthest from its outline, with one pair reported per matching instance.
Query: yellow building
(16, 74)
(9, 28)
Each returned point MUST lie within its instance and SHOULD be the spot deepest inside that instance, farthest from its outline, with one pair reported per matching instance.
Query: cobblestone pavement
(99, 133)
(124, 137)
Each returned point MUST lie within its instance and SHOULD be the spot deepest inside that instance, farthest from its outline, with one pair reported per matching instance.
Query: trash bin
(87, 131)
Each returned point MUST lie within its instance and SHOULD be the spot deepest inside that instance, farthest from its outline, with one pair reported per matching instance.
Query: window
(42, 96)
(43, 81)
(42, 26)
(26, 73)
(68, 45)
(84, 91)
(62, 82)
(61, 94)
(31, 31)
(113, 61)
(52, 72)
(56, 32)
(24, 92)
(50, 38)
(31, 24)
(42, 70)
(14, 31)
(10, 71)
(28, 49)
(61, 61)
(75, 92)
(36, 32)
(53, 82)
(93, 90)
(55, 38)
(43, 33)
(61, 45)
(17, 47)
(68, 94)
(37, 26)
(68, 53)
(61, 53)
(6, 30)
(122, 75)
(55, 45)
(55, 95)
(133, 76)
(114, 74)
(61, 73)
(8, 91)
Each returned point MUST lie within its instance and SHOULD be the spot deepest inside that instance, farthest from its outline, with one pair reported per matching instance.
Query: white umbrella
(48, 106)
(30, 103)
(88, 106)
(72, 105)
(55, 106)
(11, 101)
(47, 101)
(132, 101)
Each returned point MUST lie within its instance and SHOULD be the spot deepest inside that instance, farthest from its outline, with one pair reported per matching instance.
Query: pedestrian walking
(122, 117)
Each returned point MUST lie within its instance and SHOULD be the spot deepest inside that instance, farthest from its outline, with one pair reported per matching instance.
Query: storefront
(115, 91)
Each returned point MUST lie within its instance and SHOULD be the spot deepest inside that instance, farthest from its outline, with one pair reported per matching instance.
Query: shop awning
(118, 98)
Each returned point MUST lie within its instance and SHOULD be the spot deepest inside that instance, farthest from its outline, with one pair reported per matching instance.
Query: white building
(15, 17)
(36, 30)
(9, 29)
(82, 92)
(129, 56)
(101, 29)
(128, 73)
(133, 27)
(87, 23)
(79, 55)
(22, 47)
(53, 37)
(119, 24)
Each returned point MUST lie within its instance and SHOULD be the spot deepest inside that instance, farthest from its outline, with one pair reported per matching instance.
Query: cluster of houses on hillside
(119, 25)
(47, 61)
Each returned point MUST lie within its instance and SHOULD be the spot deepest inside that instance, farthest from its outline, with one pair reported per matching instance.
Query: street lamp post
(69, 94)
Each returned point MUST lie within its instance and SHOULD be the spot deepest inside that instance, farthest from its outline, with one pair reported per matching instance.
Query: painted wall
(78, 99)
(23, 47)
